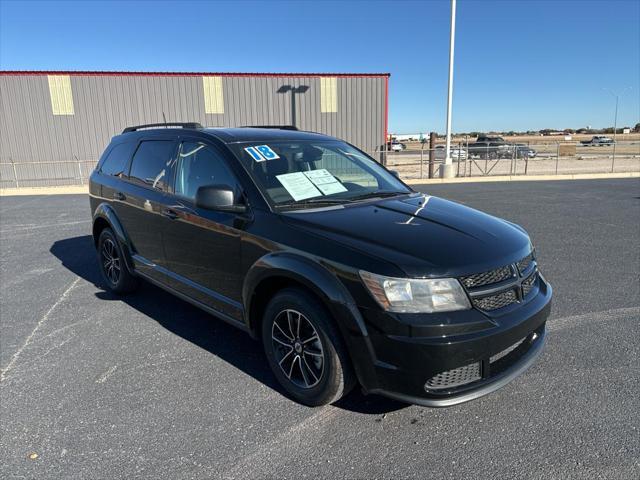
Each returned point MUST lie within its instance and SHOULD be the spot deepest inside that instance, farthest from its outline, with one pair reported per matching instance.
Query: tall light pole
(615, 123)
(447, 168)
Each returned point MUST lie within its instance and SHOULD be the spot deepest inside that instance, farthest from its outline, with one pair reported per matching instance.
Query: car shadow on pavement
(77, 254)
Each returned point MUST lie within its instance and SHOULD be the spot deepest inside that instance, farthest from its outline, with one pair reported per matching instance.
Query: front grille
(528, 284)
(523, 264)
(501, 287)
(494, 302)
(487, 278)
(454, 378)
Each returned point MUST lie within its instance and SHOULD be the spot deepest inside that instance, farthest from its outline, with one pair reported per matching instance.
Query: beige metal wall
(104, 104)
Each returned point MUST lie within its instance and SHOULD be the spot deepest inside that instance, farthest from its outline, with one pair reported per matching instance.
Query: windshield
(303, 172)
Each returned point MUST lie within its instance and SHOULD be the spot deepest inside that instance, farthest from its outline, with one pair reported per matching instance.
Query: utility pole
(447, 167)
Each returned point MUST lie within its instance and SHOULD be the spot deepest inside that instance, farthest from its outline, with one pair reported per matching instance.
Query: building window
(328, 94)
(61, 95)
(213, 98)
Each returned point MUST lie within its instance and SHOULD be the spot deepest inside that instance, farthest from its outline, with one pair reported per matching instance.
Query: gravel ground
(147, 386)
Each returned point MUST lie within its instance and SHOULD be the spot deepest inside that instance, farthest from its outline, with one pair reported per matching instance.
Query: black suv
(343, 272)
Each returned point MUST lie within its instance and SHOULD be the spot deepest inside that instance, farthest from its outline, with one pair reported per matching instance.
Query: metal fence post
(557, 155)
(421, 157)
(79, 170)
(432, 152)
(468, 157)
(15, 172)
(486, 160)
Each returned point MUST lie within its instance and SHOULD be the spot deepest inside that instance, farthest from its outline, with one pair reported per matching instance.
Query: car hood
(422, 235)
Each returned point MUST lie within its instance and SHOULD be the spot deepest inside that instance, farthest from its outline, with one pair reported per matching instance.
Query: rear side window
(117, 160)
(200, 165)
(151, 163)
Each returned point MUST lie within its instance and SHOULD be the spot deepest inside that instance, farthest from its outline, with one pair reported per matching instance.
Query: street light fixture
(294, 91)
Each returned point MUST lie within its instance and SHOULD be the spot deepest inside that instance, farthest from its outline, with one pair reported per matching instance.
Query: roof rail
(276, 127)
(165, 124)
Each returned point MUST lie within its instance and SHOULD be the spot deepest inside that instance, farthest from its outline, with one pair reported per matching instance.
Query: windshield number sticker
(267, 153)
(254, 154)
(260, 153)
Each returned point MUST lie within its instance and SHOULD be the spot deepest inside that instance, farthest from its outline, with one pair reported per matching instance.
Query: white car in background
(457, 153)
(397, 146)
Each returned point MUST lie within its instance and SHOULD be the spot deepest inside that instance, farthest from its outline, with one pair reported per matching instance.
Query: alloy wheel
(297, 348)
(110, 261)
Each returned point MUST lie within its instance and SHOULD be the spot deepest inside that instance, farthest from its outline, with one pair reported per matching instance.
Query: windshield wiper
(315, 202)
(377, 194)
(339, 201)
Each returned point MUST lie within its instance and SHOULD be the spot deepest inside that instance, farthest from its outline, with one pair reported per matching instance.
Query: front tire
(305, 350)
(112, 265)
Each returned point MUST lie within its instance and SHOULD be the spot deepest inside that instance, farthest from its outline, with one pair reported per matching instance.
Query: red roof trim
(188, 74)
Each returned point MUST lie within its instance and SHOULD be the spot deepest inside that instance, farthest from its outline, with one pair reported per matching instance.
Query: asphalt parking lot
(147, 386)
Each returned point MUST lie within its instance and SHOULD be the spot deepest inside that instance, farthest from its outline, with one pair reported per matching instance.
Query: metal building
(55, 125)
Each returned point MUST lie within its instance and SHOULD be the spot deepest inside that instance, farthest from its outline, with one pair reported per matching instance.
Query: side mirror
(218, 197)
(394, 173)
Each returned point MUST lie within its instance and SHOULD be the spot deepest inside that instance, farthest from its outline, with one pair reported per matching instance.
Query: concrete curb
(66, 190)
(80, 189)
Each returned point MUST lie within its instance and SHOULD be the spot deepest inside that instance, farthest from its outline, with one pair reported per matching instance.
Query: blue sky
(519, 64)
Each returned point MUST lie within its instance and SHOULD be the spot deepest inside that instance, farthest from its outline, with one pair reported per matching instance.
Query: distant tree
(569, 131)
(637, 127)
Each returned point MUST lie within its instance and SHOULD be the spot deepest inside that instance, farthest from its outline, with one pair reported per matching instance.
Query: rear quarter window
(117, 159)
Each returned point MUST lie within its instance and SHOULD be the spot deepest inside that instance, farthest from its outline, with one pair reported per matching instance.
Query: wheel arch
(105, 217)
(277, 271)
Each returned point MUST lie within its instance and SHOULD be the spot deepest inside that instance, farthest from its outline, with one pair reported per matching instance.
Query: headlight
(416, 295)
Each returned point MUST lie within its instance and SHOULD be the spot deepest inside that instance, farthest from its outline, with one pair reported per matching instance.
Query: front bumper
(411, 350)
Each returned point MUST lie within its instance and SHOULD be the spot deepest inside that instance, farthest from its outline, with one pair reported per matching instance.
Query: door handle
(171, 214)
(119, 196)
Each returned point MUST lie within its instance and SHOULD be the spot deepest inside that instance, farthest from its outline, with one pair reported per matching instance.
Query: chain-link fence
(45, 174)
(472, 159)
(410, 161)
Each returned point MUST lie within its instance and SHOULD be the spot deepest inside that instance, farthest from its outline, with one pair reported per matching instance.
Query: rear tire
(112, 265)
(305, 350)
